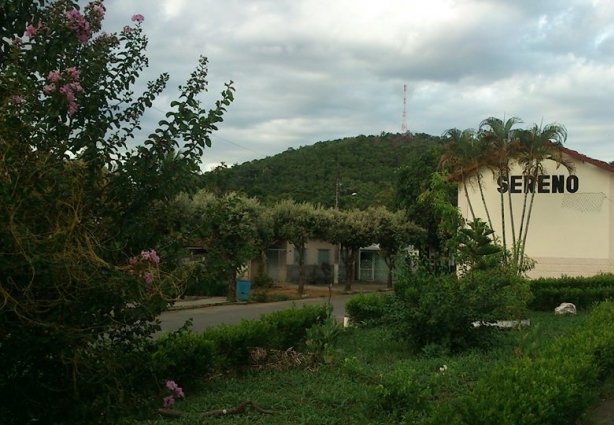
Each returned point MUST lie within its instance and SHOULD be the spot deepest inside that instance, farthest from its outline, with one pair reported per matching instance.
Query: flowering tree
(83, 211)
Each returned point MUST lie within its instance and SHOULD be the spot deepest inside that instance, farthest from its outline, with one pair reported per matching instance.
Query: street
(234, 313)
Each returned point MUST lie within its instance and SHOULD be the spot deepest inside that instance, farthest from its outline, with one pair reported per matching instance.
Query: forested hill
(365, 165)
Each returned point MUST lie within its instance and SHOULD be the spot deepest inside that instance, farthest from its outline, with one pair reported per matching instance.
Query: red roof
(583, 158)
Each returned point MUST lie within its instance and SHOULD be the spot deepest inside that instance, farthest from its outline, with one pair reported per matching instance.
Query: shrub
(368, 309)
(279, 330)
(183, 356)
(554, 387)
(441, 310)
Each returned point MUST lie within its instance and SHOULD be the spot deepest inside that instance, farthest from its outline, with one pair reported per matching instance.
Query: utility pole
(338, 250)
(404, 121)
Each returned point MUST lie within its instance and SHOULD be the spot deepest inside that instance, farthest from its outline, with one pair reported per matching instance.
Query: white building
(571, 231)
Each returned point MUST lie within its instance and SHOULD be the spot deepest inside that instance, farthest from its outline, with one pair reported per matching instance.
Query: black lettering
(558, 184)
(502, 181)
(529, 184)
(543, 184)
(573, 184)
(516, 184)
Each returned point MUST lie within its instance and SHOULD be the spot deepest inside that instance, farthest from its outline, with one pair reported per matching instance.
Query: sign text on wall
(543, 184)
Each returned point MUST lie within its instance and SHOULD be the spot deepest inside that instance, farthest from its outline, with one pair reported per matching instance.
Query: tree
(352, 230)
(231, 231)
(88, 256)
(501, 140)
(537, 145)
(394, 233)
(298, 224)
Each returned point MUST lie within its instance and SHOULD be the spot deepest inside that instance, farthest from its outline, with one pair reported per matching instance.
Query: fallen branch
(218, 412)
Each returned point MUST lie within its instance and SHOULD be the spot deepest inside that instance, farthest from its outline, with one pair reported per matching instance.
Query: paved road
(234, 313)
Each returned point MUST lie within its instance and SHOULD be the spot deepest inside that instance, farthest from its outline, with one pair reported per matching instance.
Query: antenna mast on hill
(404, 123)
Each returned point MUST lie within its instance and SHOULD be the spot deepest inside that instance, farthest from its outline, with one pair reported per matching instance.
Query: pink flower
(145, 255)
(171, 385)
(73, 73)
(49, 88)
(31, 30)
(133, 260)
(169, 401)
(17, 100)
(179, 392)
(138, 18)
(153, 256)
(54, 76)
(148, 277)
(126, 29)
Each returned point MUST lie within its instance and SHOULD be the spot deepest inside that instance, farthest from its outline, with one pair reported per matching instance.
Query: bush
(368, 309)
(440, 310)
(279, 330)
(584, 292)
(554, 387)
(183, 356)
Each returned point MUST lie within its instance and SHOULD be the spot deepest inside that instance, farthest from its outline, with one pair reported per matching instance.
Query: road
(234, 313)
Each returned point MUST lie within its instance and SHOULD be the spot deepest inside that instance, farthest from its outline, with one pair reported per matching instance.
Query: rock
(565, 308)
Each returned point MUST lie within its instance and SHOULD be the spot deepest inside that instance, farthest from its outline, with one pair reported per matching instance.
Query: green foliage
(476, 249)
(183, 356)
(583, 292)
(554, 387)
(263, 280)
(321, 339)
(368, 309)
(402, 394)
(279, 330)
(441, 310)
(367, 165)
(82, 211)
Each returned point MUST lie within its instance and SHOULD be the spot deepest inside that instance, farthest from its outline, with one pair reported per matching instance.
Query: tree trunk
(349, 274)
(509, 200)
(232, 285)
(469, 204)
(503, 228)
(517, 250)
(301, 269)
(526, 229)
(390, 264)
(484, 201)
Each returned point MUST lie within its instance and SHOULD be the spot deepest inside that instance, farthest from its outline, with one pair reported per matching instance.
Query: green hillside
(365, 165)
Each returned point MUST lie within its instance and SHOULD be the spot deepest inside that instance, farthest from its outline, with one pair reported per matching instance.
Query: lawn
(372, 378)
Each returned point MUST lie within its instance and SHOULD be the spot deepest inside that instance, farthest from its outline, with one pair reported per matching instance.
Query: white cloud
(312, 70)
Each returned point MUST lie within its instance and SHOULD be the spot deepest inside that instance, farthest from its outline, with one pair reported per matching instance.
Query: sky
(313, 70)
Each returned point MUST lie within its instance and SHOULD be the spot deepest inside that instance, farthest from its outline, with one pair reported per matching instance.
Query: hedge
(584, 292)
(368, 309)
(554, 387)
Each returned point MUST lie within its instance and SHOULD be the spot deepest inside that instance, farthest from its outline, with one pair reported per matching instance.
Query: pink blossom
(179, 392)
(169, 401)
(133, 260)
(31, 30)
(73, 73)
(171, 385)
(153, 256)
(77, 22)
(138, 18)
(17, 41)
(98, 10)
(148, 277)
(17, 100)
(145, 255)
(126, 29)
(54, 76)
(49, 88)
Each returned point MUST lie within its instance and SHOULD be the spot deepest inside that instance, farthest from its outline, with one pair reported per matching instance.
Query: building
(571, 227)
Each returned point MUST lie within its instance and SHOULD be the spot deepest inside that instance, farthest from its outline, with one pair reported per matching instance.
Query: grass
(373, 379)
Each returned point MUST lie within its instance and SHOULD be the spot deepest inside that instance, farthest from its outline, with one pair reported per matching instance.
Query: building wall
(569, 233)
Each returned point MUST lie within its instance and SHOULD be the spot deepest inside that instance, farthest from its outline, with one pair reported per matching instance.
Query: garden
(93, 236)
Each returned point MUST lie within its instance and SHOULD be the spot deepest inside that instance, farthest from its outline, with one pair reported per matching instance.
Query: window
(323, 256)
(296, 256)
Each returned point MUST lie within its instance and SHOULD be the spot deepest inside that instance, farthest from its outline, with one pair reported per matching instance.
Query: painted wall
(571, 230)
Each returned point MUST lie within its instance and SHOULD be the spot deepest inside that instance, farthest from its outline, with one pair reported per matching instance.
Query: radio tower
(404, 123)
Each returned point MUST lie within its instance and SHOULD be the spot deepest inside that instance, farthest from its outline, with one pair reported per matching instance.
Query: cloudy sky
(312, 70)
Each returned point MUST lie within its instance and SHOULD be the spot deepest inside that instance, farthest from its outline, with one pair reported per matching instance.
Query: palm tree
(537, 145)
(462, 159)
(501, 140)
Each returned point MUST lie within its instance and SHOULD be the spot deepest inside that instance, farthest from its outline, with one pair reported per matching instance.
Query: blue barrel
(243, 289)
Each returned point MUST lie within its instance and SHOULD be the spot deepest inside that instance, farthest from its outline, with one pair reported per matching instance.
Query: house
(571, 228)
(322, 264)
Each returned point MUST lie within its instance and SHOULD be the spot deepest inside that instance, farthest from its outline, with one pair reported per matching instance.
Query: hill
(364, 166)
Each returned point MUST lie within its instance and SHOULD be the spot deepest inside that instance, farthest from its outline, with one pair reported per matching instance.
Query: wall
(569, 233)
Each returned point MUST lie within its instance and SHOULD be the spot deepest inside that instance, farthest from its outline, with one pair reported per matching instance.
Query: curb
(196, 306)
